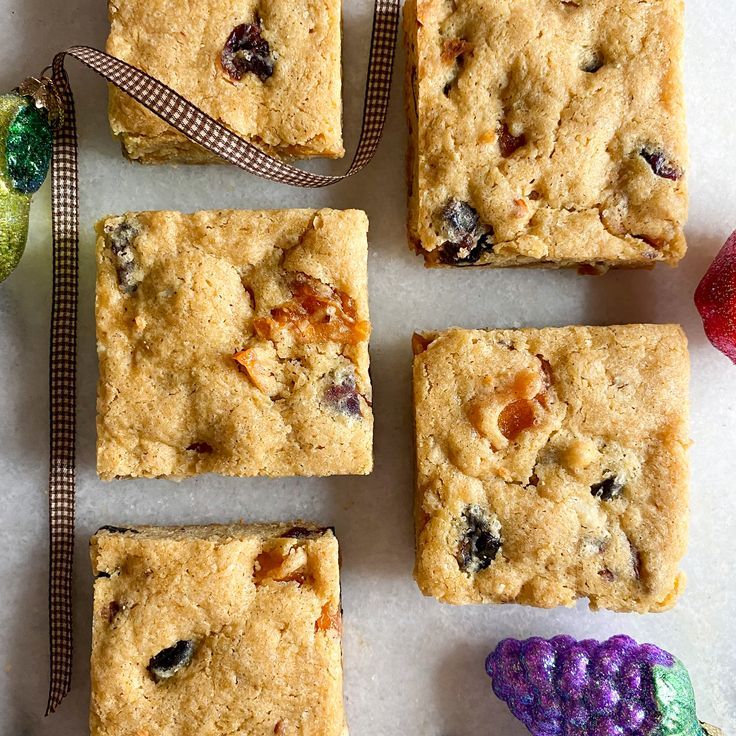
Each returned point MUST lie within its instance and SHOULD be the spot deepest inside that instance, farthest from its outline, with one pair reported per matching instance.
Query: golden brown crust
(523, 425)
(250, 599)
(295, 113)
(577, 191)
(233, 342)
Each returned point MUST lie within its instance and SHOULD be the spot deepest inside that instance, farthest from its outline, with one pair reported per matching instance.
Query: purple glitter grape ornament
(566, 687)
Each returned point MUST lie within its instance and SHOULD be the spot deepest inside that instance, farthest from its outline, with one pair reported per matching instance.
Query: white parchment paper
(412, 666)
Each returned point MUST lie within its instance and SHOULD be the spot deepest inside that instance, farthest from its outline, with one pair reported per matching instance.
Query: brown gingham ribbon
(215, 137)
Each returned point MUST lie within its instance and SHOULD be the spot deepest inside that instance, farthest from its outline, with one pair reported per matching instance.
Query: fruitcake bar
(216, 630)
(546, 132)
(552, 465)
(270, 71)
(233, 342)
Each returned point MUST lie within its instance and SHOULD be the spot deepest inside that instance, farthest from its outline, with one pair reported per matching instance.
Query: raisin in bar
(270, 71)
(233, 342)
(216, 630)
(552, 465)
(546, 132)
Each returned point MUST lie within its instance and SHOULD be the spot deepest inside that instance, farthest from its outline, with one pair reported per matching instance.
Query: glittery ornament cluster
(28, 148)
(565, 687)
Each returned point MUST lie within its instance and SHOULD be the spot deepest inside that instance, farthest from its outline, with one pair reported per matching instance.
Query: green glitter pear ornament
(27, 118)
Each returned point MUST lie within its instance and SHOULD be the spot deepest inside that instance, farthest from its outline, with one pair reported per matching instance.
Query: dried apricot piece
(249, 364)
(515, 418)
(316, 313)
(329, 620)
(268, 565)
(453, 48)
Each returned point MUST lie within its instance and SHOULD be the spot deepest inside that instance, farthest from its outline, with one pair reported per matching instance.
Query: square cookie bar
(233, 342)
(269, 71)
(552, 465)
(216, 630)
(546, 132)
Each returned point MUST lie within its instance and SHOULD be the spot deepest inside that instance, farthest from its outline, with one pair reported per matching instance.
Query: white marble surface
(412, 665)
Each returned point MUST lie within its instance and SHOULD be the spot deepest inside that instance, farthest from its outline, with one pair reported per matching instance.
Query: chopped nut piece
(266, 563)
(489, 136)
(581, 454)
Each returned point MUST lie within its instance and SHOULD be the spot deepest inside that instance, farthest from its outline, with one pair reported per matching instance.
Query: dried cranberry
(121, 239)
(301, 532)
(202, 447)
(516, 417)
(468, 239)
(467, 251)
(247, 51)
(113, 610)
(509, 143)
(117, 530)
(609, 488)
(715, 299)
(342, 394)
(460, 217)
(480, 540)
(592, 61)
(661, 164)
(170, 660)
(636, 561)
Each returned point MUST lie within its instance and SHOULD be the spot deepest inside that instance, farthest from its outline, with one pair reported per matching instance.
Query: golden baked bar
(216, 630)
(552, 465)
(270, 71)
(546, 132)
(233, 342)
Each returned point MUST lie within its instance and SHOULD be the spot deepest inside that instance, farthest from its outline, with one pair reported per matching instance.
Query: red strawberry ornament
(715, 299)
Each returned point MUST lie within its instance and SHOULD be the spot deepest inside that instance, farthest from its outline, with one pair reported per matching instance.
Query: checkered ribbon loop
(215, 137)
